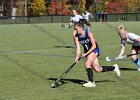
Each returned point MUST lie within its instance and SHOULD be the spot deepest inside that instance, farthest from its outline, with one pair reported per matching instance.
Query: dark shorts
(97, 50)
(137, 48)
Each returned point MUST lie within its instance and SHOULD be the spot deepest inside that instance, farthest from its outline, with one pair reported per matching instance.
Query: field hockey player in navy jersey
(91, 52)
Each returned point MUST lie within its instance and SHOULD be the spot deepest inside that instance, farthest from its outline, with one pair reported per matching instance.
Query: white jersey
(86, 16)
(131, 39)
(76, 18)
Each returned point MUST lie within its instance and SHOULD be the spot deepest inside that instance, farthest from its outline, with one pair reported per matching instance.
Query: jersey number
(86, 46)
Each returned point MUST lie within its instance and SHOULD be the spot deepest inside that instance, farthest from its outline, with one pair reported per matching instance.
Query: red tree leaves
(116, 6)
(59, 8)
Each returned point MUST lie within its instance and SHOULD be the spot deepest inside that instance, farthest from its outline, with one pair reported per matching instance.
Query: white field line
(34, 51)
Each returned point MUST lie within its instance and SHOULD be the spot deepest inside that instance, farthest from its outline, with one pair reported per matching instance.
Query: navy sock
(107, 68)
(90, 74)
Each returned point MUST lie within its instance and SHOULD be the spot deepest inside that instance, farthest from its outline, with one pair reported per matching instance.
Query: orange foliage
(59, 8)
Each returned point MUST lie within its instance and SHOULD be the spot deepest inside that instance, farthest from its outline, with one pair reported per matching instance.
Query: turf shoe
(139, 69)
(117, 70)
(74, 46)
(89, 84)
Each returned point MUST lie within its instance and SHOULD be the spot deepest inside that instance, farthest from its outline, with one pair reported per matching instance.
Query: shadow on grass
(63, 46)
(76, 81)
(128, 69)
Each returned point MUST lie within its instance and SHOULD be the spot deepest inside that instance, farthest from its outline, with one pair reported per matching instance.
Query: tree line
(63, 7)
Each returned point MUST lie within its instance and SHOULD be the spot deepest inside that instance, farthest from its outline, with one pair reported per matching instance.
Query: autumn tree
(116, 6)
(96, 5)
(133, 5)
(59, 7)
(20, 8)
(37, 7)
(82, 4)
(100, 5)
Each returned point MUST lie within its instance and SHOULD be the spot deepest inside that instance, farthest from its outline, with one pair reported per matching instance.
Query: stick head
(54, 85)
(107, 59)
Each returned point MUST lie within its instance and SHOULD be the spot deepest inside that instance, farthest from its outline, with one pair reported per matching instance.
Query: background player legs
(134, 57)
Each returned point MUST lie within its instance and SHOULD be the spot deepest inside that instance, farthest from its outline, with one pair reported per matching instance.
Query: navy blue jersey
(85, 41)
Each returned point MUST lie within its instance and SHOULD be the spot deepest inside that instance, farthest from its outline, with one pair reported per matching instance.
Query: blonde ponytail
(120, 27)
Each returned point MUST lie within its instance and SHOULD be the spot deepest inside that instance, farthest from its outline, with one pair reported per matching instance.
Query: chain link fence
(64, 19)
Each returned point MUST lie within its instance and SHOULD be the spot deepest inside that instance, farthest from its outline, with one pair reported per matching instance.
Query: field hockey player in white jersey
(86, 15)
(129, 38)
(75, 18)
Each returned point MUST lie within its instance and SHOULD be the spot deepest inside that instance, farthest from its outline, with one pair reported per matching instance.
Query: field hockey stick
(121, 57)
(66, 26)
(55, 84)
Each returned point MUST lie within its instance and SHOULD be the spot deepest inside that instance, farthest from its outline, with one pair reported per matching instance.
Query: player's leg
(99, 68)
(134, 57)
(86, 27)
(89, 70)
(88, 24)
(95, 65)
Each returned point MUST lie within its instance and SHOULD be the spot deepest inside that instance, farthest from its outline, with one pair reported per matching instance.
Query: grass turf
(32, 56)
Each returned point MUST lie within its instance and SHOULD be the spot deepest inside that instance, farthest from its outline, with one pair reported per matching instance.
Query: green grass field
(32, 56)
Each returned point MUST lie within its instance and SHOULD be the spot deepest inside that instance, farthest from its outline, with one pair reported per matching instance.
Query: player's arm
(91, 15)
(80, 17)
(134, 37)
(78, 51)
(83, 15)
(137, 39)
(122, 50)
(93, 44)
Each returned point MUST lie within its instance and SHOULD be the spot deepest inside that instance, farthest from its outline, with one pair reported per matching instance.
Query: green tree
(47, 4)
(90, 5)
(96, 5)
(37, 7)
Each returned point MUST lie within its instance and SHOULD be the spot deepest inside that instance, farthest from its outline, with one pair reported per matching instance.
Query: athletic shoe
(89, 84)
(117, 70)
(139, 69)
(62, 25)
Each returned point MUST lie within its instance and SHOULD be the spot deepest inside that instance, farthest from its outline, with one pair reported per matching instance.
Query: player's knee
(97, 69)
(87, 65)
